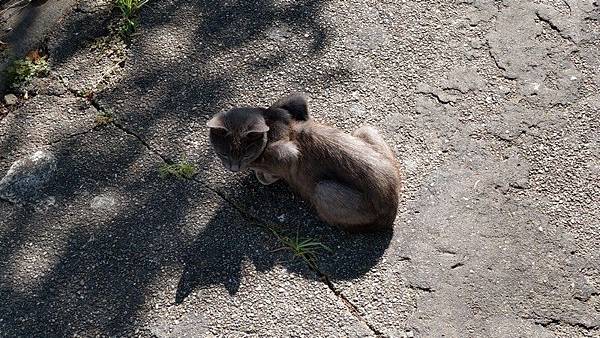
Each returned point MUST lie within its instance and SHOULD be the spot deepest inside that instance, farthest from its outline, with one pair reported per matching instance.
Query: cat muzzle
(235, 167)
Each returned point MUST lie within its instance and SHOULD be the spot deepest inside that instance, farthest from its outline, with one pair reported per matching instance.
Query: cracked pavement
(492, 107)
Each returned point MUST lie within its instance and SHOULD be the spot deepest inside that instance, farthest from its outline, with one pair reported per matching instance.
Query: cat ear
(295, 104)
(216, 122)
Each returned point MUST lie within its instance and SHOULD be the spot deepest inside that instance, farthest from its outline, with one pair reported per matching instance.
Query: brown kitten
(353, 181)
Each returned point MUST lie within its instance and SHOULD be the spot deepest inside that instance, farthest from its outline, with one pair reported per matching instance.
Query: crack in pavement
(497, 63)
(257, 221)
(421, 288)
(569, 6)
(456, 265)
(350, 307)
(70, 136)
(556, 321)
(553, 26)
(438, 98)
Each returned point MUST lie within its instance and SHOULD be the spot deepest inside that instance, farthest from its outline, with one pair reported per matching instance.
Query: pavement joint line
(263, 225)
(146, 145)
(349, 306)
(101, 109)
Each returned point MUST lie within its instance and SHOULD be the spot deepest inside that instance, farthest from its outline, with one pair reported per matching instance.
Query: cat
(353, 181)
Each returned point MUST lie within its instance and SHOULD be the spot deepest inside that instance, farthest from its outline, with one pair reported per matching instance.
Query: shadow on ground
(91, 269)
(351, 256)
(94, 266)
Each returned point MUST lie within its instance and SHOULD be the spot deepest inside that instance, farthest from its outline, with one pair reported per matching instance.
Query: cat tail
(295, 104)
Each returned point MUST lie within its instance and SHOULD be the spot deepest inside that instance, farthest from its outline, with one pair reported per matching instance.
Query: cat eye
(254, 136)
(219, 132)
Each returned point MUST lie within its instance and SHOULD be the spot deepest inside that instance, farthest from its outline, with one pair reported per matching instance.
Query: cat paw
(265, 178)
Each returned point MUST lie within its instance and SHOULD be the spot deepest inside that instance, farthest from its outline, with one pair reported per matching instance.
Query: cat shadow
(218, 254)
(349, 255)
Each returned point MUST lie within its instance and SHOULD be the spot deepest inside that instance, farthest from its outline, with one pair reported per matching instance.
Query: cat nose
(235, 167)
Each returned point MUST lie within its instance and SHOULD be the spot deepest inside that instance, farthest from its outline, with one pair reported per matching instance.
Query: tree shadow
(24, 34)
(234, 23)
(27, 15)
(217, 254)
(107, 262)
(225, 25)
(103, 265)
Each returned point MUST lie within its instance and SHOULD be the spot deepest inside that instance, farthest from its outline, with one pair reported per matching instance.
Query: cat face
(238, 136)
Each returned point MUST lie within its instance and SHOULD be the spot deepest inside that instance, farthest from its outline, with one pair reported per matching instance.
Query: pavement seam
(349, 306)
(259, 223)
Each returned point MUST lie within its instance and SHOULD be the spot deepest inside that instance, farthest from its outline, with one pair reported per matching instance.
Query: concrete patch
(26, 178)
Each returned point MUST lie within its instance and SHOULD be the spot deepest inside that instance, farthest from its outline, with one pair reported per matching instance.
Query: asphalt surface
(492, 107)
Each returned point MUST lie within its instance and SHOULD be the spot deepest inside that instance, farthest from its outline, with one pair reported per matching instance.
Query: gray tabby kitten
(353, 181)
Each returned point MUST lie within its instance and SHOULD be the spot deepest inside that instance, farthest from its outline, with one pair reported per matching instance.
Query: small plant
(181, 170)
(104, 118)
(127, 26)
(302, 247)
(21, 71)
(129, 15)
(87, 94)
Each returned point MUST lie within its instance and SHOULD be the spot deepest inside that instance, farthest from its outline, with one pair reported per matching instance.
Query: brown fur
(352, 180)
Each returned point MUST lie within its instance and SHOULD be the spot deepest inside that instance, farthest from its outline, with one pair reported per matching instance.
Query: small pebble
(10, 99)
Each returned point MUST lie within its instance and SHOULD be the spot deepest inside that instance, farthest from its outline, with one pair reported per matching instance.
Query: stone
(27, 177)
(10, 99)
